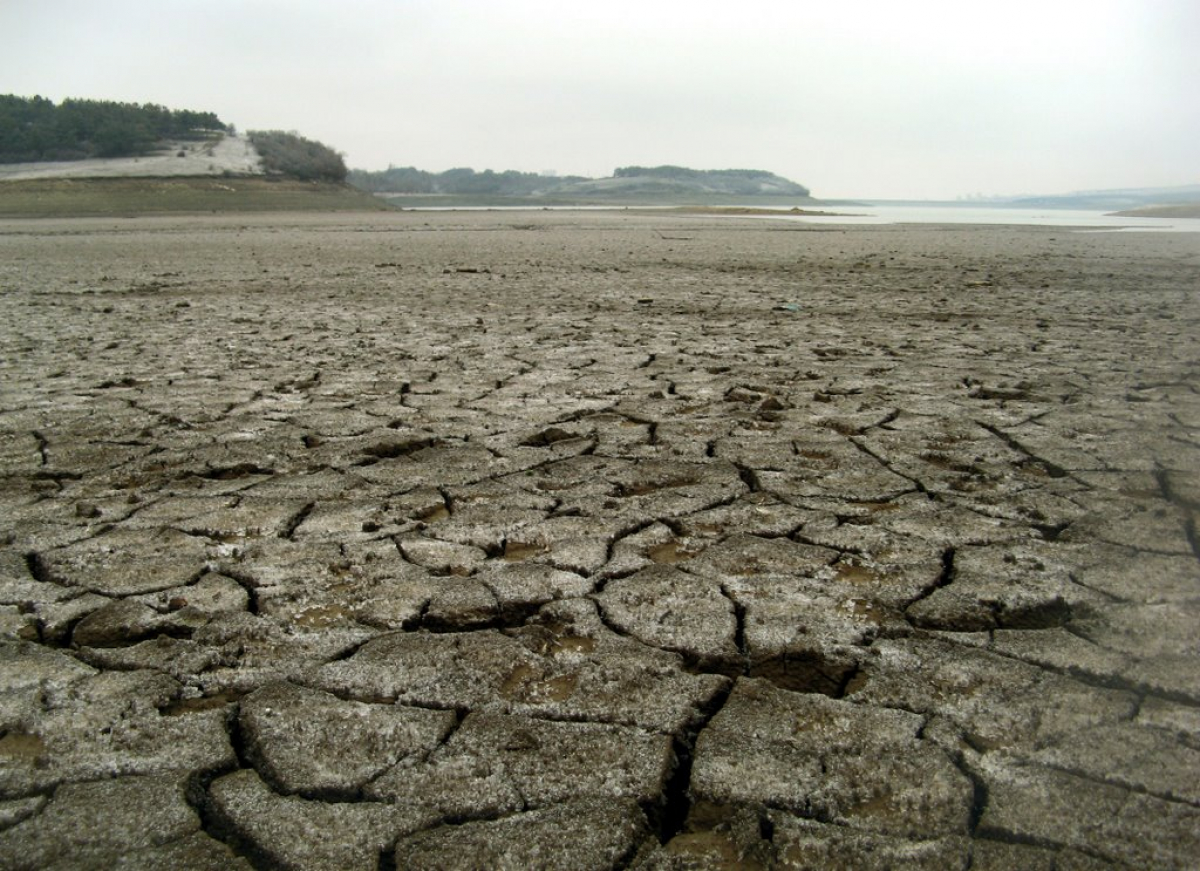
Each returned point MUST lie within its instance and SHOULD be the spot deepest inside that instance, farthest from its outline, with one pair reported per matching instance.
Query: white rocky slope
(231, 153)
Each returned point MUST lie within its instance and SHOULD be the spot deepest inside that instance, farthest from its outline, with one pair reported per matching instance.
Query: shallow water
(1076, 218)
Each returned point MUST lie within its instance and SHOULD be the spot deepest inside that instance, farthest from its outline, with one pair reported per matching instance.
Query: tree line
(36, 129)
(510, 183)
(462, 180)
(288, 153)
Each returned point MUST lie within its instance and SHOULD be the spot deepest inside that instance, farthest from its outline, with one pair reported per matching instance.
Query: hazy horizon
(925, 100)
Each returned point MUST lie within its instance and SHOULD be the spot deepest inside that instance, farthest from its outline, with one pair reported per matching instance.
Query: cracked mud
(597, 541)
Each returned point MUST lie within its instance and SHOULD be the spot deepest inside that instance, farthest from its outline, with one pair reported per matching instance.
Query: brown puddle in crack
(572, 644)
(555, 689)
(867, 610)
(179, 707)
(668, 553)
(516, 551)
(18, 745)
(705, 848)
(852, 573)
(720, 836)
(321, 616)
(553, 639)
(433, 515)
(885, 805)
(524, 685)
(516, 679)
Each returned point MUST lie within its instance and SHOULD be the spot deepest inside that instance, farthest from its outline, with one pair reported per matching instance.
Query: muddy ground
(596, 540)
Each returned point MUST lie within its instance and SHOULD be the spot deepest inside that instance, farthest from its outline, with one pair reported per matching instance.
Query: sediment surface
(438, 540)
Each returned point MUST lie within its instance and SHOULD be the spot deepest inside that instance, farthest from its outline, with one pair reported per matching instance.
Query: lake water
(1079, 219)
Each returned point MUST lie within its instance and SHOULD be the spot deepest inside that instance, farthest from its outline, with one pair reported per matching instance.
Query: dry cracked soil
(597, 540)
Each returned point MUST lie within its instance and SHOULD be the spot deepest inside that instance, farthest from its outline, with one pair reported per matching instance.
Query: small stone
(119, 622)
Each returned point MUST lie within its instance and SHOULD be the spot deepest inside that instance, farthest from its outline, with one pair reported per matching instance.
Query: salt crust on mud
(597, 540)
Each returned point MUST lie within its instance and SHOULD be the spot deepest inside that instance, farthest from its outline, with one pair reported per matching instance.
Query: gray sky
(921, 98)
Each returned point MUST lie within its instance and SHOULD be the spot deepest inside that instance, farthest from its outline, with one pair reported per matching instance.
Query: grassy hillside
(63, 197)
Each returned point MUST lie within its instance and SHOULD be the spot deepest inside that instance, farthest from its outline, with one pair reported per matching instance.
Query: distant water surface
(1075, 218)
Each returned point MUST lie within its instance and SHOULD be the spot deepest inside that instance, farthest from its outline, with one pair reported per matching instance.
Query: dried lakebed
(596, 541)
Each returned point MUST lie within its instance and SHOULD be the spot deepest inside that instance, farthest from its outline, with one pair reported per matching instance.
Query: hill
(36, 129)
(89, 157)
(678, 180)
(631, 184)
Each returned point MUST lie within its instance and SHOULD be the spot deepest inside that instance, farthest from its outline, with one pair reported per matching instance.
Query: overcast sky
(879, 98)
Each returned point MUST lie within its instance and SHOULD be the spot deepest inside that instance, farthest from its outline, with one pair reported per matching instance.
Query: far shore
(1176, 210)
